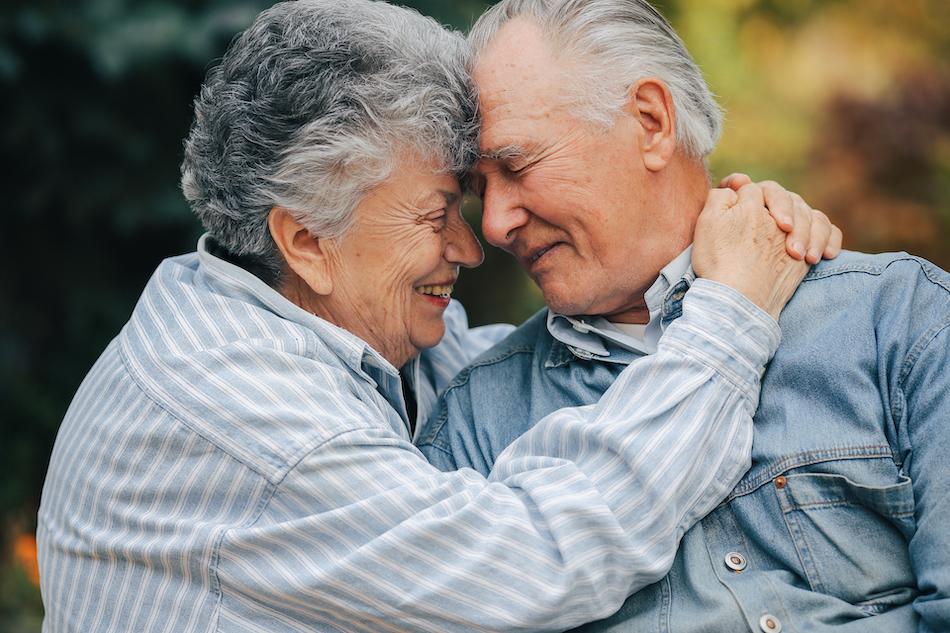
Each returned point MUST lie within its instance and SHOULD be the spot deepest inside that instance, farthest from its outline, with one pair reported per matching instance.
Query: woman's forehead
(415, 190)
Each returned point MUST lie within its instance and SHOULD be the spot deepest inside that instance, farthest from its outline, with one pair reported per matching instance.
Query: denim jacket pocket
(851, 538)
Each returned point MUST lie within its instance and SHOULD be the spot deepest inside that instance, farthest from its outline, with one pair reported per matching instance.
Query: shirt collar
(590, 335)
(233, 281)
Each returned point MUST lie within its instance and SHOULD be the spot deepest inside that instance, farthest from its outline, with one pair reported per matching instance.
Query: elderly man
(595, 126)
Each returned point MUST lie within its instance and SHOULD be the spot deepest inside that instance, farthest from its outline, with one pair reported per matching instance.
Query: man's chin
(562, 303)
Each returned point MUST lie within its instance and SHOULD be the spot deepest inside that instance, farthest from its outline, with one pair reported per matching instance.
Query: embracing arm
(556, 535)
(583, 509)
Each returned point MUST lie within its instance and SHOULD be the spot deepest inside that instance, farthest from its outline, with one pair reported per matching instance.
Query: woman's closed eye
(436, 219)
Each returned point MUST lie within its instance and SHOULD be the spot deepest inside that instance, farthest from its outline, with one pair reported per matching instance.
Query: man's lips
(533, 255)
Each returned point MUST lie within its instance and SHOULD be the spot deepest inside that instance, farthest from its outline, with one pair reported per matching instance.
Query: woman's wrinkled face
(394, 270)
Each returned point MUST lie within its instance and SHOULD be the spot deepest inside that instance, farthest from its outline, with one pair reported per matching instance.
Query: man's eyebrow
(505, 152)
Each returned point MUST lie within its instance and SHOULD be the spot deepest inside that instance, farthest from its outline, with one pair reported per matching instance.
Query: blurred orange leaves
(24, 554)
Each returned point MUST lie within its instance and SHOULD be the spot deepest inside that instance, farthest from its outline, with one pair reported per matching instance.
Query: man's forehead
(512, 117)
(513, 69)
(511, 140)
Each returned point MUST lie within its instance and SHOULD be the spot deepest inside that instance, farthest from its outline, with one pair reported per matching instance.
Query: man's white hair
(604, 47)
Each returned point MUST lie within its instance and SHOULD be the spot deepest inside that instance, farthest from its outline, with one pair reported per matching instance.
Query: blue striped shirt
(234, 463)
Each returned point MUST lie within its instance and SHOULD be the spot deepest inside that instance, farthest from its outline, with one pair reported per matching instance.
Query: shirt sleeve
(924, 399)
(588, 506)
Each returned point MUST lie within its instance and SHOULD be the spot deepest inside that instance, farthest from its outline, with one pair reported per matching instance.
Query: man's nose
(502, 213)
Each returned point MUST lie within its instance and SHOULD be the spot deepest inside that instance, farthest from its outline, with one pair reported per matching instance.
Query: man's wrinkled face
(571, 203)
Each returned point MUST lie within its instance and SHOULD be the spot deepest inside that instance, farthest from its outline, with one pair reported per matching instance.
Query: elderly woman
(240, 458)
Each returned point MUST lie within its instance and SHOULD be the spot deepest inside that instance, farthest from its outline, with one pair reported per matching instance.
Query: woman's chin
(429, 336)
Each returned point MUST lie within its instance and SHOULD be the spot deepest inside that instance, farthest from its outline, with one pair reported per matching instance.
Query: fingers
(752, 198)
(792, 215)
(720, 200)
(833, 249)
(825, 240)
(737, 243)
(811, 235)
(735, 181)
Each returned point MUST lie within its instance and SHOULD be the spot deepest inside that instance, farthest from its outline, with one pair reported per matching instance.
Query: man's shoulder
(511, 355)
(889, 265)
(862, 278)
(899, 296)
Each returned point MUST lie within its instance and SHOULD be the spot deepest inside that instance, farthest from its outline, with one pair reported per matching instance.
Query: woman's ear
(649, 102)
(305, 255)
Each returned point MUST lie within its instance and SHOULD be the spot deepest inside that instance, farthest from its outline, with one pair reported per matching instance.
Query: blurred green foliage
(21, 610)
(845, 101)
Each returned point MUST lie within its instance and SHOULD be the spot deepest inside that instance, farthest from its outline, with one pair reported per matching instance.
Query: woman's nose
(462, 247)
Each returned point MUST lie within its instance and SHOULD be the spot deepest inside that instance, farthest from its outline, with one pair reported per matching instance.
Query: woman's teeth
(436, 290)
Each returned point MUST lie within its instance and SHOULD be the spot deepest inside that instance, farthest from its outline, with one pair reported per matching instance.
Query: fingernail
(788, 220)
(814, 254)
(799, 249)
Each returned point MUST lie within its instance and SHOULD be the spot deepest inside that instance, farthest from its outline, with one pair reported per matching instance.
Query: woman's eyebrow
(440, 196)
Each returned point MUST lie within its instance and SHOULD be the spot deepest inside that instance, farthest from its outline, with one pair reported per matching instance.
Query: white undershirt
(633, 330)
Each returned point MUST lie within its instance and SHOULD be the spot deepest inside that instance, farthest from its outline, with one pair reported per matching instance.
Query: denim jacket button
(735, 561)
(770, 624)
(780, 482)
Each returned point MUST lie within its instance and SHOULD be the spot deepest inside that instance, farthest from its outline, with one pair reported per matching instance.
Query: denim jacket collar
(587, 337)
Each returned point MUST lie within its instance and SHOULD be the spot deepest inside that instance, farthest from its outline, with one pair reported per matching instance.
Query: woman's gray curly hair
(312, 107)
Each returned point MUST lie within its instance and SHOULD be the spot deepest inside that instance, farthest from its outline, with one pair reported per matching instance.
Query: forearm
(585, 508)
(667, 441)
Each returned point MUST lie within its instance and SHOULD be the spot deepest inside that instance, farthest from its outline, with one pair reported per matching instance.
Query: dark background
(845, 101)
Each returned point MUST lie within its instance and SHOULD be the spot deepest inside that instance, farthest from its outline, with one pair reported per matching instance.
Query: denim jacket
(843, 521)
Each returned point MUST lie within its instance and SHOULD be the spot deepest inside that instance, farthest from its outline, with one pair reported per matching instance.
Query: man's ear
(304, 254)
(649, 102)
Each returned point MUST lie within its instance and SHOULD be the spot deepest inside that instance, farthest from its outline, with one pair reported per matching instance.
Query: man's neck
(586, 332)
(639, 313)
